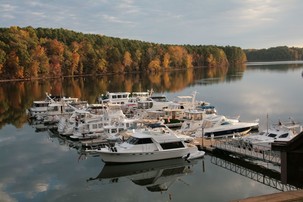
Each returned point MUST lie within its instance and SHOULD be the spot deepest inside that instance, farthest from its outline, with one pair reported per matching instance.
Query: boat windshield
(272, 135)
(134, 140)
(283, 135)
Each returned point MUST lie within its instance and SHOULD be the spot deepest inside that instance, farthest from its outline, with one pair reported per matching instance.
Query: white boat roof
(157, 135)
(41, 101)
(118, 93)
(194, 112)
(185, 97)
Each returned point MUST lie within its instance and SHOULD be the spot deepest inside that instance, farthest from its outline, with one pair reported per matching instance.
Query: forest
(280, 53)
(30, 53)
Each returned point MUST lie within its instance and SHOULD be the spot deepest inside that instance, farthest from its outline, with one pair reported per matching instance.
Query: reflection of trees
(12, 104)
(218, 72)
(15, 98)
(275, 67)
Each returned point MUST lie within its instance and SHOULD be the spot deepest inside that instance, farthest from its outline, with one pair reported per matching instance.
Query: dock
(289, 192)
(276, 197)
(226, 146)
(237, 147)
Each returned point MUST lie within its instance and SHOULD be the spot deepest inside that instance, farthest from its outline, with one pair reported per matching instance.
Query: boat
(95, 127)
(174, 113)
(114, 98)
(155, 176)
(39, 107)
(57, 107)
(124, 99)
(216, 126)
(66, 125)
(192, 121)
(276, 133)
(189, 102)
(150, 144)
(131, 105)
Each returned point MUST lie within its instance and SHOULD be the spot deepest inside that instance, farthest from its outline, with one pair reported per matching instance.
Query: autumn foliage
(27, 53)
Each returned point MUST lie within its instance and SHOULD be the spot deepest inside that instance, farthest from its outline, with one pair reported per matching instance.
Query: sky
(243, 23)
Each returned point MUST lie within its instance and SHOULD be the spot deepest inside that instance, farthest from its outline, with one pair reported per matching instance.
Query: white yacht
(93, 127)
(66, 125)
(118, 98)
(39, 107)
(107, 130)
(50, 110)
(278, 132)
(192, 121)
(150, 144)
(214, 126)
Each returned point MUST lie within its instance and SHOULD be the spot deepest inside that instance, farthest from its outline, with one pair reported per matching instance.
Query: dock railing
(238, 146)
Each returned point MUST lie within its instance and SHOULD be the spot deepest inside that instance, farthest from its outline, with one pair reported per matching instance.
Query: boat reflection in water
(156, 176)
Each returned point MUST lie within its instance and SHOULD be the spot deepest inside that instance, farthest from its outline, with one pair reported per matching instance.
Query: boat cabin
(114, 98)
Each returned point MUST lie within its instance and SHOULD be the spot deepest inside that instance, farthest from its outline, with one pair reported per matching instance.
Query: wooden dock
(294, 196)
(205, 143)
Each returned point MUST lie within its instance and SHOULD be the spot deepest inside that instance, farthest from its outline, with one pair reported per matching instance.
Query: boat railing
(238, 146)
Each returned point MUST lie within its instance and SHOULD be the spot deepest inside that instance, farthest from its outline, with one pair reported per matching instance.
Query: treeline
(42, 52)
(280, 53)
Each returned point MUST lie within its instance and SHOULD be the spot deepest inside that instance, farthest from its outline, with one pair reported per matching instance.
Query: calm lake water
(38, 166)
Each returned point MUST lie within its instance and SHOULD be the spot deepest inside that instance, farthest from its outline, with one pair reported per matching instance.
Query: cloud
(5, 197)
(248, 24)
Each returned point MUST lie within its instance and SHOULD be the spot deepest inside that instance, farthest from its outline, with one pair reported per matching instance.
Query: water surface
(38, 166)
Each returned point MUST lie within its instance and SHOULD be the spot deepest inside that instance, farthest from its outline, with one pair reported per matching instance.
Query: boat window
(132, 140)
(95, 126)
(272, 135)
(144, 141)
(172, 145)
(283, 135)
(69, 110)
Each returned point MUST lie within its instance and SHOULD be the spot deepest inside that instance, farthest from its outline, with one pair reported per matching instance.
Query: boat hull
(227, 132)
(110, 156)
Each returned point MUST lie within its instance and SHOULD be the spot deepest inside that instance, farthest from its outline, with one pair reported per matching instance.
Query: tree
(127, 60)
(166, 61)
(154, 65)
(2, 60)
(13, 69)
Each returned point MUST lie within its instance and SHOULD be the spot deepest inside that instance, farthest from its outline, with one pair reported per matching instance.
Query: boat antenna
(267, 122)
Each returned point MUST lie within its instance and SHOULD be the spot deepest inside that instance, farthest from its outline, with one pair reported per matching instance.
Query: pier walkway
(239, 148)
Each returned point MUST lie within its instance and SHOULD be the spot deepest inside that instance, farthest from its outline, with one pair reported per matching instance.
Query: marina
(51, 166)
(152, 141)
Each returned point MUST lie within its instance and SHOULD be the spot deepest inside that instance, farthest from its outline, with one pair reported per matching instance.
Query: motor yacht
(150, 144)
